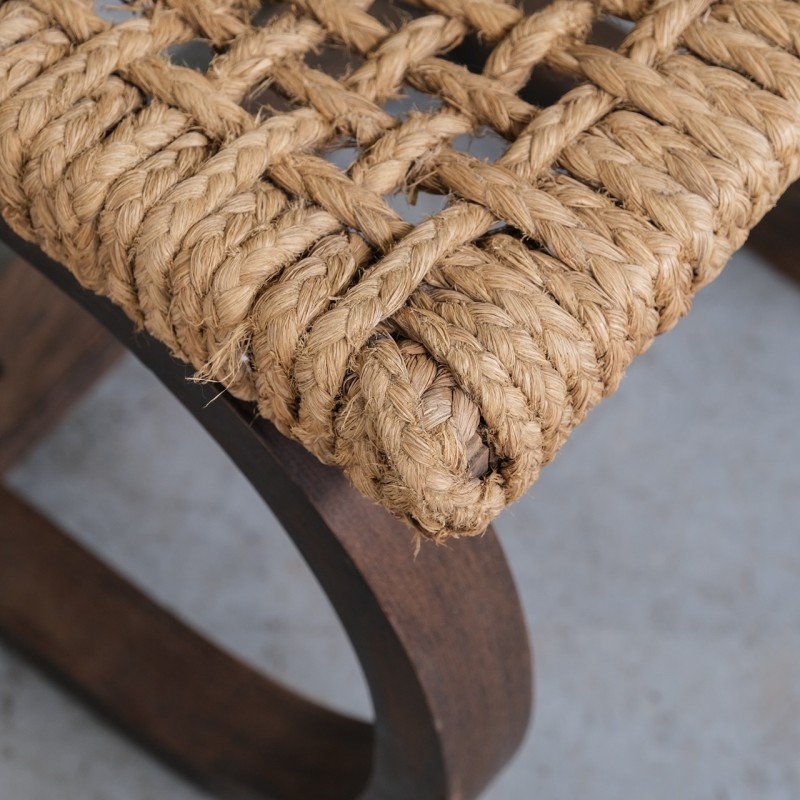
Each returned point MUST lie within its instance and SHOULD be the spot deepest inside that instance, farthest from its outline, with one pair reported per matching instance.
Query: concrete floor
(658, 560)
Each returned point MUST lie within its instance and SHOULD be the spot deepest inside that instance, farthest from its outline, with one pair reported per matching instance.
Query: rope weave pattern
(440, 365)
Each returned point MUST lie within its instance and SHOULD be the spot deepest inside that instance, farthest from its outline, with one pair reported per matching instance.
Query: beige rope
(440, 365)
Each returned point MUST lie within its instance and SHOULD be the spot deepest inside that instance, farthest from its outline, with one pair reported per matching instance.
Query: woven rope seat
(247, 216)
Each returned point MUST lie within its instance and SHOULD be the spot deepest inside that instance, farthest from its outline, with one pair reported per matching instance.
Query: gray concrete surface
(658, 560)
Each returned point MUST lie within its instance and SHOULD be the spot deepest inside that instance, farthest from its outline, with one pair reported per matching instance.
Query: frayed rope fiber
(440, 365)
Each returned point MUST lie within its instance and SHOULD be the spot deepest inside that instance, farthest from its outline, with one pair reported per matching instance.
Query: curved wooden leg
(207, 712)
(441, 637)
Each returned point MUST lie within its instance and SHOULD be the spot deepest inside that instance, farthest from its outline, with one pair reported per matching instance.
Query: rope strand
(440, 365)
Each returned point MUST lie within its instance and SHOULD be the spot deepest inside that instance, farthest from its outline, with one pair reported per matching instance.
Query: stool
(241, 214)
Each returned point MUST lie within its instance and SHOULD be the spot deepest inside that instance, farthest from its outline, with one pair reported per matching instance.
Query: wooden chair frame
(441, 638)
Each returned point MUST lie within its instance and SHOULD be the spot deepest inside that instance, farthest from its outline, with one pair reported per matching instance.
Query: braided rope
(440, 365)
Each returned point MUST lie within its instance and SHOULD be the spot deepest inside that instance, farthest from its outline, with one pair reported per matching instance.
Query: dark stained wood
(204, 708)
(775, 237)
(51, 351)
(441, 637)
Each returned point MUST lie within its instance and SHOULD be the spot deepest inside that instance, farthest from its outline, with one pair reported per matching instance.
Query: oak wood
(441, 638)
(51, 351)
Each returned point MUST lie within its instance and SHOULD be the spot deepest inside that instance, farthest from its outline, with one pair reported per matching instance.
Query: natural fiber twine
(440, 365)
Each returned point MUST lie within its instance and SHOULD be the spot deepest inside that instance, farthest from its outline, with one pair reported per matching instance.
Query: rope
(440, 365)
